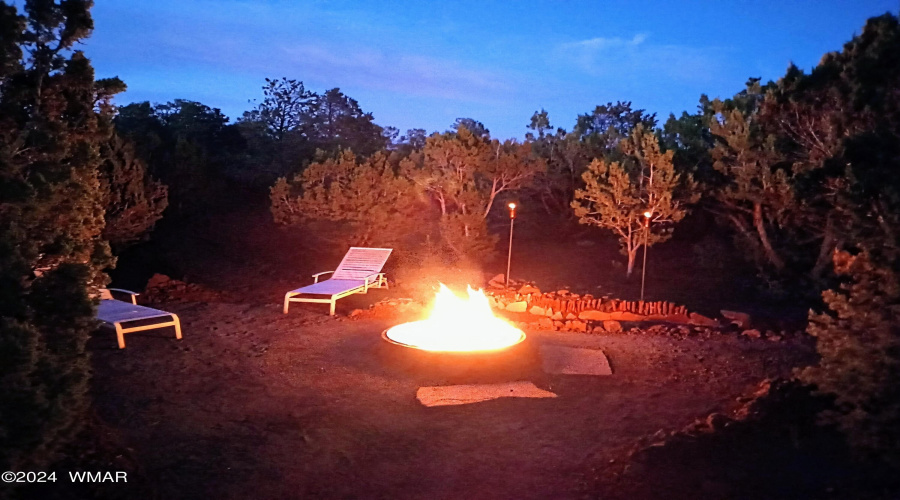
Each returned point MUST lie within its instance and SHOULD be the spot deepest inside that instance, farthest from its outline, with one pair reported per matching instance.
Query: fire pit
(462, 341)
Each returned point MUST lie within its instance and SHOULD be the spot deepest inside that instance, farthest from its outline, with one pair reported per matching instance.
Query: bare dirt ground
(256, 404)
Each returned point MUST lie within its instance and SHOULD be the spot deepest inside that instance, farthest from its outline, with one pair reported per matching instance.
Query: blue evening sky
(422, 64)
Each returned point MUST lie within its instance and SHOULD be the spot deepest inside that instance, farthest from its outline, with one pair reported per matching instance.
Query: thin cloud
(638, 58)
(601, 43)
(322, 48)
(404, 73)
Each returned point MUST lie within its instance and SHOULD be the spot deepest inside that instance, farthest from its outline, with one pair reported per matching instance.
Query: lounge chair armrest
(316, 276)
(375, 278)
(129, 292)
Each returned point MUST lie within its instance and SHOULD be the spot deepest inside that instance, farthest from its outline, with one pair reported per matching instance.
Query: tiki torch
(512, 222)
(647, 216)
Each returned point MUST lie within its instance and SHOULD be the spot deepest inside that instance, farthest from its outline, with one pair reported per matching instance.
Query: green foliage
(133, 200)
(807, 165)
(285, 130)
(336, 122)
(609, 124)
(472, 125)
(464, 173)
(756, 195)
(617, 195)
(566, 157)
(286, 104)
(189, 147)
(365, 195)
(689, 136)
(443, 193)
(859, 344)
(51, 218)
(595, 135)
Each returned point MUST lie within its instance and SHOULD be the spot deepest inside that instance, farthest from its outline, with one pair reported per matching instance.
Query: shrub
(859, 344)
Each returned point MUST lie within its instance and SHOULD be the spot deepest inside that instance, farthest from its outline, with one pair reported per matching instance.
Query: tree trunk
(825, 250)
(632, 254)
(490, 202)
(760, 226)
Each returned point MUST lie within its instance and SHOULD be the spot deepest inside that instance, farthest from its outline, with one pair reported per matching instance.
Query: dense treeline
(52, 122)
(802, 172)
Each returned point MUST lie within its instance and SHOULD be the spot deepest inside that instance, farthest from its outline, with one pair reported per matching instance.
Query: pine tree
(365, 195)
(51, 218)
(134, 201)
(858, 340)
(756, 196)
(463, 173)
(617, 195)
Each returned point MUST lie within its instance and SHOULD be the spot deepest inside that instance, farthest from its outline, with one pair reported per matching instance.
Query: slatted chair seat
(127, 317)
(359, 271)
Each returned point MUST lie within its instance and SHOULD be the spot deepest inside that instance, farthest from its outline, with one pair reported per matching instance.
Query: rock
(464, 394)
(742, 320)
(562, 292)
(157, 281)
(564, 360)
(354, 313)
(557, 316)
(701, 320)
(717, 421)
(545, 323)
(625, 316)
(578, 326)
(593, 315)
(498, 281)
(557, 324)
(598, 329)
(537, 311)
(529, 289)
(612, 326)
(519, 307)
(571, 316)
(753, 334)
(548, 312)
(677, 318)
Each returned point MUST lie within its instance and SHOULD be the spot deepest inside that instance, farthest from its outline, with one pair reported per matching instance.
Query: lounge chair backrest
(361, 262)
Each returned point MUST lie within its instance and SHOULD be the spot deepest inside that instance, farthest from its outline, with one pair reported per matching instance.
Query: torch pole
(512, 223)
(646, 237)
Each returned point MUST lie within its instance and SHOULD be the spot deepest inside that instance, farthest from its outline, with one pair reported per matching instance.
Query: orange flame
(458, 325)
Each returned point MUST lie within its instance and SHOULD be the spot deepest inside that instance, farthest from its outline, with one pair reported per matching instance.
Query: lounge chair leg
(332, 307)
(177, 327)
(120, 336)
(287, 302)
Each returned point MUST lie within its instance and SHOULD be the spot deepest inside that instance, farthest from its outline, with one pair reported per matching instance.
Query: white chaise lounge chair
(127, 317)
(358, 272)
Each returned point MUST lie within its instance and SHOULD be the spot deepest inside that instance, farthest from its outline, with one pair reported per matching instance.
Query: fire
(458, 325)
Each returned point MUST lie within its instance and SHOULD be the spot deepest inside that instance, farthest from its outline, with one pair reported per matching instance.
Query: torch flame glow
(458, 325)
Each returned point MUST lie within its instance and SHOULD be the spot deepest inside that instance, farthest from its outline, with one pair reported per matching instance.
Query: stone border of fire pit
(565, 311)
